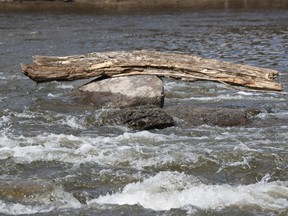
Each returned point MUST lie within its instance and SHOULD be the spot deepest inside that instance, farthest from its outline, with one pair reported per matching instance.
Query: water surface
(92, 169)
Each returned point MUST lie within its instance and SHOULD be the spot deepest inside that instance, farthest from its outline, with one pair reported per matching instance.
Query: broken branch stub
(170, 65)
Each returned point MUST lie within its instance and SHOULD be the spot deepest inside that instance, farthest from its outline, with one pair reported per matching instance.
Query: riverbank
(103, 6)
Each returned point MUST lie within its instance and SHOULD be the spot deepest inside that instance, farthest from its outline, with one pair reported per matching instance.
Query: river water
(81, 168)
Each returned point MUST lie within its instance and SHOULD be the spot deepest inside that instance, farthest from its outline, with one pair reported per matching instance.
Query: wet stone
(121, 92)
(138, 118)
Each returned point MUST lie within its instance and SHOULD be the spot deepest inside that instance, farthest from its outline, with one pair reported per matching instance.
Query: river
(81, 168)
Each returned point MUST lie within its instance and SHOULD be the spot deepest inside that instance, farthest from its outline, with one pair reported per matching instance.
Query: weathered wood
(171, 65)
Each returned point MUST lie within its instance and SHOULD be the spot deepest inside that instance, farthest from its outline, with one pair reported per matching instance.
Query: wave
(168, 190)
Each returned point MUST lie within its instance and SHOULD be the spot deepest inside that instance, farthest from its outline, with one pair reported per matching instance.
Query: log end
(27, 71)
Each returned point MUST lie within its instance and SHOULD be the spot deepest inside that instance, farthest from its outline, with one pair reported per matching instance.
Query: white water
(169, 190)
(140, 149)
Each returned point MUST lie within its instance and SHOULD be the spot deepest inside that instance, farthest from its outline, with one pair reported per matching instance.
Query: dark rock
(212, 116)
(121, 92)
(139, 118)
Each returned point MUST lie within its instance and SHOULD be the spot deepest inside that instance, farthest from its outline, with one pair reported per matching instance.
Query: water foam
(73, 122)
(18, 209)
(4, 120)
(2, 77)
(232, 97)
(146, 136)
(65, 86)
(169, 190)
(140, 149)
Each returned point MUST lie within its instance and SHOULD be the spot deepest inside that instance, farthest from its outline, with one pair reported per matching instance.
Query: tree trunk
(171, 65)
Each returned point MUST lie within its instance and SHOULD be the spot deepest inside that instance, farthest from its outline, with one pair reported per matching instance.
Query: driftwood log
(170, 65)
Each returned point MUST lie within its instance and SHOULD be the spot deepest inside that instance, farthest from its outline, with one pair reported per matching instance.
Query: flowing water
(69, 165)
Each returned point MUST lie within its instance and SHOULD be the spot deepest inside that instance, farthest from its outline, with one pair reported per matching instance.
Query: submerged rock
(121, 92)
(34, 192)
(212, 116)
(151, 117)
(25, 191)
(139, 118)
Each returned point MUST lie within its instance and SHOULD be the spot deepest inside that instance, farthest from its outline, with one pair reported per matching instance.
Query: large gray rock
(138, 118)
(196, 116)
(120, 92)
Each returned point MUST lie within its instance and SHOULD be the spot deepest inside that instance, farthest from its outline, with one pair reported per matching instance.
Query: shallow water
(97, 170)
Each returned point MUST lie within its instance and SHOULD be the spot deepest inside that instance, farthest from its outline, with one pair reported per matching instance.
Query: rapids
(45, 139)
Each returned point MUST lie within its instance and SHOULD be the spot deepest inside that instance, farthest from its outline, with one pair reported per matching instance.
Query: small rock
(138, 118)
(121, 92)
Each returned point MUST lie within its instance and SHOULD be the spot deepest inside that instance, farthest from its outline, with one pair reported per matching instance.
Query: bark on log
(171, 65)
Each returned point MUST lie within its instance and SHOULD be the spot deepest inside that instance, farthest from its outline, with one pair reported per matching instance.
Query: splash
(169, 190)
(140, 149)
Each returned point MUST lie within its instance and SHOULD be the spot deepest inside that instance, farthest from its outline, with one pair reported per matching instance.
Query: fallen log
(170, 65)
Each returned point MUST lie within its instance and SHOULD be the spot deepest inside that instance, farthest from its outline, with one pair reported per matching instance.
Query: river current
(69, 165)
